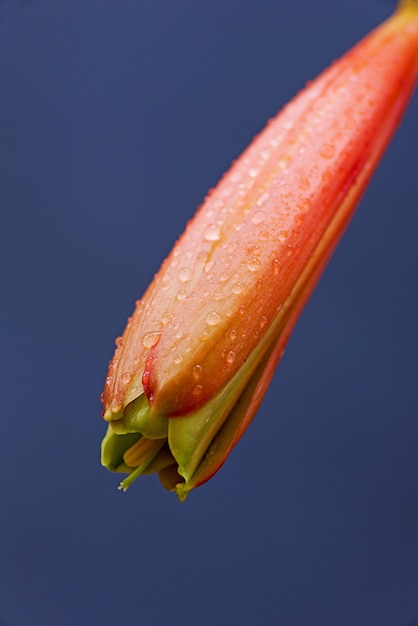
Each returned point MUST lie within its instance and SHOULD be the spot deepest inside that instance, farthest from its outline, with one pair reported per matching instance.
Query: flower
(200, 349)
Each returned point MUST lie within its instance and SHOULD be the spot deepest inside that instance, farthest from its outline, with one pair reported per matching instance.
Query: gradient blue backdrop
(116, 116)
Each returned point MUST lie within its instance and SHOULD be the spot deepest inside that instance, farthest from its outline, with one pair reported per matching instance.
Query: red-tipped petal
(300, 169)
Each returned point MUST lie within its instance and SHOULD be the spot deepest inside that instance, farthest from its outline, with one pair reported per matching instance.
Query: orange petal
(275, 207)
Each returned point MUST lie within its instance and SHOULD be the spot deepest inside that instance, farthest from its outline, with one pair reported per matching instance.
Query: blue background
(116, 116)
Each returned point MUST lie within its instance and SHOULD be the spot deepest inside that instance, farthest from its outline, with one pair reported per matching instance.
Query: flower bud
(202, 345)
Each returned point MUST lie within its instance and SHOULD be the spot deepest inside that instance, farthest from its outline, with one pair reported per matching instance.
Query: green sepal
(138, 419)
(114, 447)
(190, 437)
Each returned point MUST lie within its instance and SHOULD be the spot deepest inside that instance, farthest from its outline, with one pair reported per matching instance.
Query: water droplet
(209, 266)
(223, 277)
(180, 295)
(151, 339)
(197, 371)
(116, 406)
(253, 265)
(119, 341)
(115, 363)
(258, 217)
(263, 236)
(242, 310)
(233, 335)
(255, 251)
(213, 318)
(185, 274)
(277, 266)
(178, 359)
(263, 321)
(232, 247)
(217, 295)
(126, 378)
(203, 337)
(230, 357)
(179, 335)
(327, 151)
(304, 204)
(212, 232)
(282, 236)
(238, 288)
(197, 390)
(166, 317)
(253, 172)
(304, 184)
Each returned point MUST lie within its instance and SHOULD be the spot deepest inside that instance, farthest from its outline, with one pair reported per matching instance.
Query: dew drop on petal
(185, 274)
(238, 288)
(197, 371)
(230, 357)
(277, 266)
(178, 359)
(263, 321)
(203, 337)
(180, 295)
(253, 265)
(327, 151)
(116, 406)
(213, 318)
(126, 378)
(282, 236)
(233, 335)
(304, 204)
(166, 317)
(304, 184)
(212, 232)
(197, 390)
(258, 217)
(151, 339)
